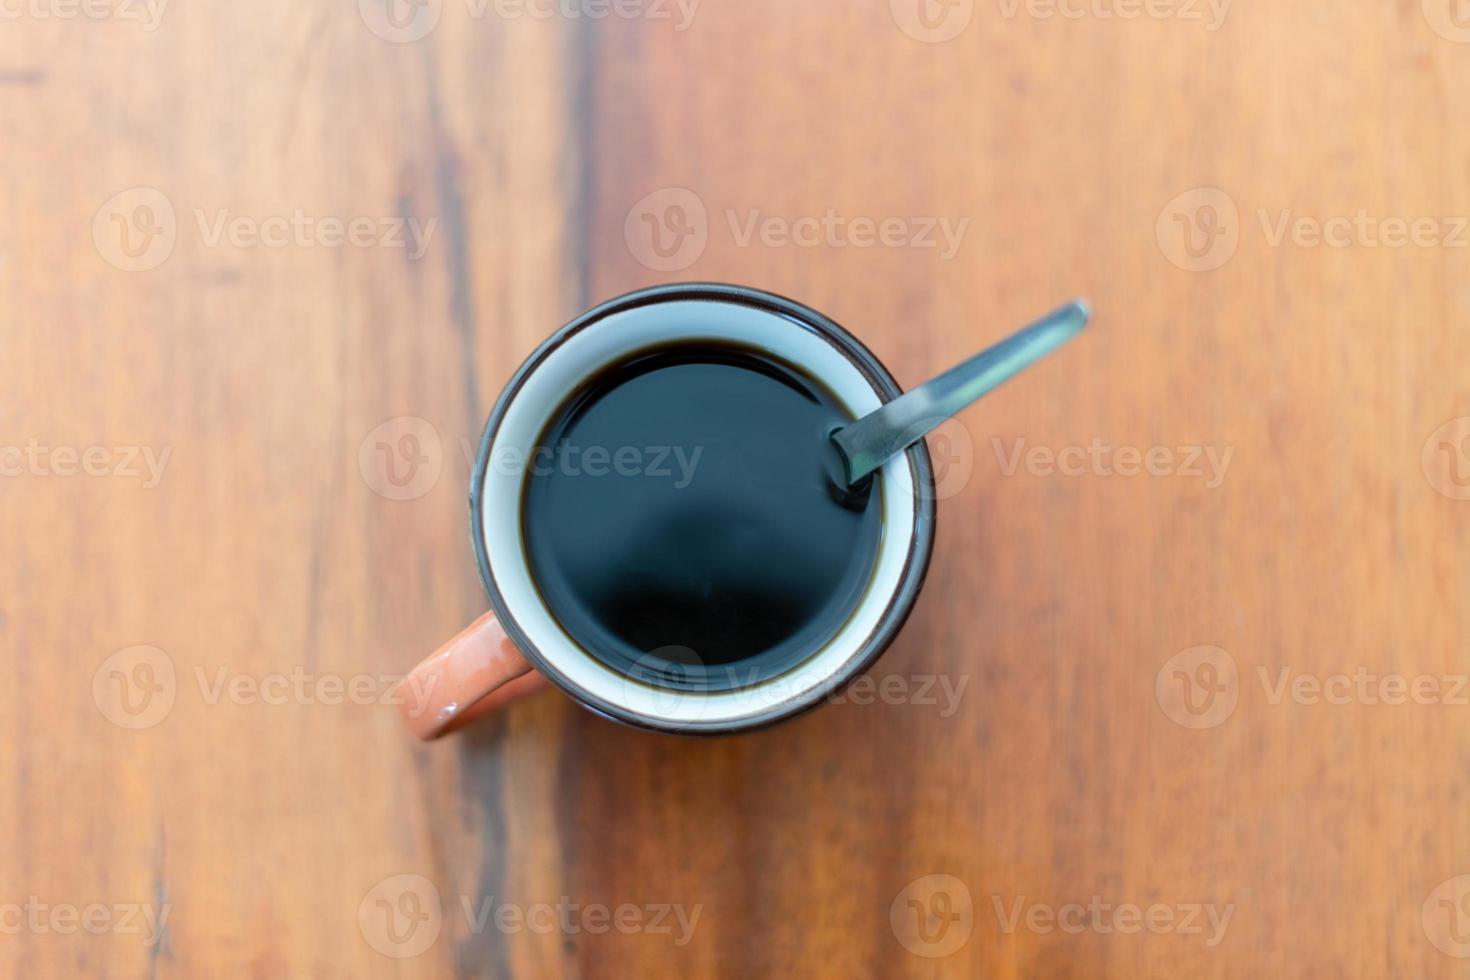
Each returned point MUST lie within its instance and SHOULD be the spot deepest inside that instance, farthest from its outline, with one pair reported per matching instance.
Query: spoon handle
(880, 435)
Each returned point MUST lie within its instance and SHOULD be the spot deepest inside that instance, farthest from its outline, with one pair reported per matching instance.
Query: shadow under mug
(518, 646)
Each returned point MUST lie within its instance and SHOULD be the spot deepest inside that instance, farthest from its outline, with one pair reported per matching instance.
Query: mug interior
(609, 335)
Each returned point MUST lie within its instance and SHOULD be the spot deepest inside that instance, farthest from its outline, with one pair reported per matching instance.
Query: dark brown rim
(921, 543)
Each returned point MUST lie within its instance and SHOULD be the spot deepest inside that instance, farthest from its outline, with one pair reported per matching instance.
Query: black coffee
(681, 522)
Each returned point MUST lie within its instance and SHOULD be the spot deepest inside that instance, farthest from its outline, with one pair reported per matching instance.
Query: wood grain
(270, 821)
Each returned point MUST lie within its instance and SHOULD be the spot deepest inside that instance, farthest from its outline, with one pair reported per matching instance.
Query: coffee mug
(524, 642)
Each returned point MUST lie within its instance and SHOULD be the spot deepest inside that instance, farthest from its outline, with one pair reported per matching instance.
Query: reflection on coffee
(681, 522)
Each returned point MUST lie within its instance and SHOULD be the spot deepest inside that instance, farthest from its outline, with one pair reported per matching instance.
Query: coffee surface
(681, 524)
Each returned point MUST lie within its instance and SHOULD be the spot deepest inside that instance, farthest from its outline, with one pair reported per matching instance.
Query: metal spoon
(878, 436)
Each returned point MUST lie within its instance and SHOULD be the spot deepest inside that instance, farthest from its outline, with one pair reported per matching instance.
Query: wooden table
(1199, 593)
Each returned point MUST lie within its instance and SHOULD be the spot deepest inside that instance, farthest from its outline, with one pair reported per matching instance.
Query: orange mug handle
(475, 674)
